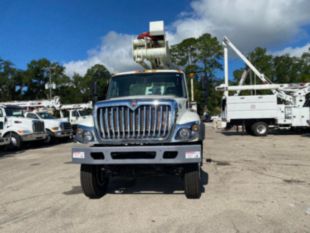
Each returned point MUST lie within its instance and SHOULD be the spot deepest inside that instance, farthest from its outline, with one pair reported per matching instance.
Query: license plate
(78, 155)
(192, 155)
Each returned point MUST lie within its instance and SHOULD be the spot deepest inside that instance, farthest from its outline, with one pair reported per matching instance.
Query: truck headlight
(188, 132)
(184, 134)
(87, 136)
(84, 135)
(54, 129)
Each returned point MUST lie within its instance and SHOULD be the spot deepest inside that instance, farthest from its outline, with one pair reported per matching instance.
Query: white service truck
(55, 128)
(18, 129)
(78, 115)
(145, 124)
(284, 106)
(40, 110)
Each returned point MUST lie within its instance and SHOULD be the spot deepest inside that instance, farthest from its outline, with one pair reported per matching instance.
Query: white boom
(54, 103)
(77, 106)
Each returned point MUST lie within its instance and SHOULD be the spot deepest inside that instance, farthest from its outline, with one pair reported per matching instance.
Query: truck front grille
(147, 121)
(65, 126)
(38, 126)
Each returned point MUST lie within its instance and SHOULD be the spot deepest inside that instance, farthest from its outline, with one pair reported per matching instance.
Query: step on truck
(18, 129)
(145, 125)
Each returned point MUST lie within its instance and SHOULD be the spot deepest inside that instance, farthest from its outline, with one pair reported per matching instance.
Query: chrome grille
(38, 126)
(147, 121)
(65, 126)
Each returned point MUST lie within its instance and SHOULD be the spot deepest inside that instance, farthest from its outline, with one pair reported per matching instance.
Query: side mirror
(5, 119)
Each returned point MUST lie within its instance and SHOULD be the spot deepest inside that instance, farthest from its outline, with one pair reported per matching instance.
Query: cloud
(114, 53)
(293, 51)
(248, 24)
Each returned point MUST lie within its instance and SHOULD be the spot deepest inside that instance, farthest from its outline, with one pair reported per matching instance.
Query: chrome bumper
(182, 154)
(33, 137)
(63, 134)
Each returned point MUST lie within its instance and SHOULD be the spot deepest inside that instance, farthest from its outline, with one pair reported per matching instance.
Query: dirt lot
(251, 185)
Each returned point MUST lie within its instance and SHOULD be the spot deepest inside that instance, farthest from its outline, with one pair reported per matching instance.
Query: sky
(80, 33)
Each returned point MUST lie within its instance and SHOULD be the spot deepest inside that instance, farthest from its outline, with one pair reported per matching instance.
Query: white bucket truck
(285, 106)
(145, 125)
(40, 110)
(18, 129)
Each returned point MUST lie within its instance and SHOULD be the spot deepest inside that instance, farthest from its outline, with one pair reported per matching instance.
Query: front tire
(15, 141)
(192, 182)
(49, 137)
(260, 129)
(94, 181)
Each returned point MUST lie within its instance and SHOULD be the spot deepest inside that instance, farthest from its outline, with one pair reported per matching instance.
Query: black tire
(15, 141)
(260, 128)
(192, 182)
(49, 138)
(94, 181)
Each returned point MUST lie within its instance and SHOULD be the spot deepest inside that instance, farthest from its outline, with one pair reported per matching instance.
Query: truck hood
(51, 123)
(86, 121)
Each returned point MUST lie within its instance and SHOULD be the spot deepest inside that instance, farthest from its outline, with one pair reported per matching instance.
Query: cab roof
(147, 72)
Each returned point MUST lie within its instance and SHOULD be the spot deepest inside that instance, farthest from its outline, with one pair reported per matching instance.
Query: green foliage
(279, 69)
(30, 83)
(202, 57)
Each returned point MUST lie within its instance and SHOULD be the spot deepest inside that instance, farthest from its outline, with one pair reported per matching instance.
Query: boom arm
(281, 94)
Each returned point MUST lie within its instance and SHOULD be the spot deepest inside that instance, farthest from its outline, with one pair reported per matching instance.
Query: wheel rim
(48, 139)
(14, 141)
(261, 129)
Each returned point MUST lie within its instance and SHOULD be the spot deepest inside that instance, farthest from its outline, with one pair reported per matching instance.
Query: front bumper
(63, 134)
(33, 137)
(4, 141)
(184, 154)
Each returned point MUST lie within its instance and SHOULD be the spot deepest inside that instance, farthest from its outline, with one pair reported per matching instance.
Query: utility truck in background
(18, 129)
(79, 115)
(42, 110)
(286, 105)
(145, 124)
(55, 128)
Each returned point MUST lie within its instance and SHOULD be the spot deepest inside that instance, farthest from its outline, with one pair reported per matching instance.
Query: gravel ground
(250, 185)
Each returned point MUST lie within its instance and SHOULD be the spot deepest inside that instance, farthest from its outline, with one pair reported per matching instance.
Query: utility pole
(50, 85)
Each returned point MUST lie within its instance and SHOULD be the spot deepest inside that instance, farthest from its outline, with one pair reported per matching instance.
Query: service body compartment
(252, 107)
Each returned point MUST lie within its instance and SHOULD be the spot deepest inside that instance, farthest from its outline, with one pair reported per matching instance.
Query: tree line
(30, 84)
(200, 58)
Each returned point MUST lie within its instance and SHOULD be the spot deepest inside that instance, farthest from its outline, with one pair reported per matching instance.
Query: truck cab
(55, 128)
(77, 115)
(145, 123)
(18, 129)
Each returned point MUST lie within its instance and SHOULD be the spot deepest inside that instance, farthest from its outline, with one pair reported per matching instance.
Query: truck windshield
(45, 115)
(164, 84)
(14, 112)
